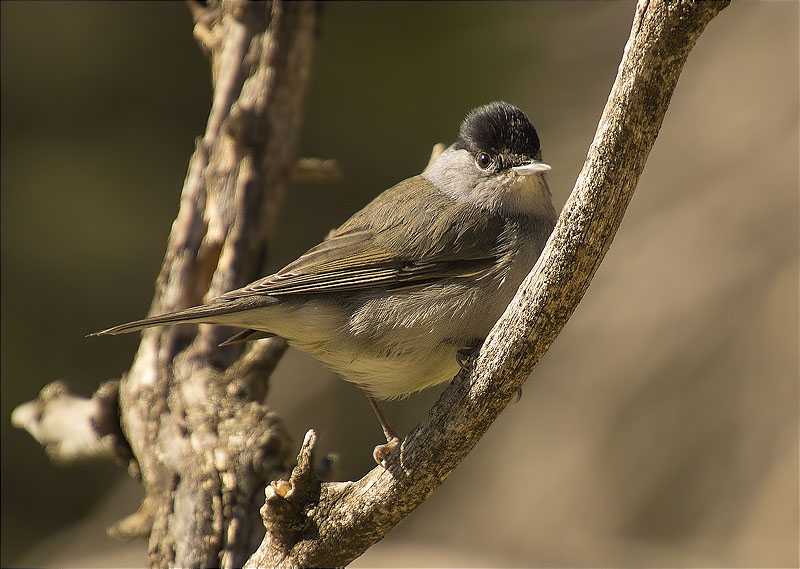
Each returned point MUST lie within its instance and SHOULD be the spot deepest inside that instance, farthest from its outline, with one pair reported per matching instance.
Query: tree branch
(205, 441)
(333, 523)
(72, 428)
(192, 414)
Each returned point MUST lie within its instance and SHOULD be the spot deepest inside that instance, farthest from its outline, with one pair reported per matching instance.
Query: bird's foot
(464, 355)
(382, 451)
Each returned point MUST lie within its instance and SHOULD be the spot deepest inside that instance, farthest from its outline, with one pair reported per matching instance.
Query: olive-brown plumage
(390, 298)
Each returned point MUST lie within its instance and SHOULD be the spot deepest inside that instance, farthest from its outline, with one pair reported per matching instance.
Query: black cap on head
(502, 130)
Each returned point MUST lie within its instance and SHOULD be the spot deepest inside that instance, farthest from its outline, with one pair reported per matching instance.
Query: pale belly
(388, 346)
(397, 375)
(394, 344)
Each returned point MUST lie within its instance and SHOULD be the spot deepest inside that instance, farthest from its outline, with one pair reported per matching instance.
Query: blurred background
(662, 427)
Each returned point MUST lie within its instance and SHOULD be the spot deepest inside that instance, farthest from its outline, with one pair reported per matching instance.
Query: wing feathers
(388, 246)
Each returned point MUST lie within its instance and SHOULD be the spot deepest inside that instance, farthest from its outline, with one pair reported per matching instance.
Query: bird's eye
(483, 160)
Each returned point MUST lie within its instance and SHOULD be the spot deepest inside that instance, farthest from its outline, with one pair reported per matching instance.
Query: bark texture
(194, 426)
(331, 524)
(205, 442)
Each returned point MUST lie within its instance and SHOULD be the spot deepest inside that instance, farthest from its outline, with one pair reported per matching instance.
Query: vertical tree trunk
(203, 439)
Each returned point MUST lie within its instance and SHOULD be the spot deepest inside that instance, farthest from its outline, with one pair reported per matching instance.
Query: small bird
(400, 295)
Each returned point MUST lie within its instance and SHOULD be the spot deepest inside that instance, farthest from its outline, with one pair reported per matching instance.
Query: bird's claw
(463, 356)
(382, 451)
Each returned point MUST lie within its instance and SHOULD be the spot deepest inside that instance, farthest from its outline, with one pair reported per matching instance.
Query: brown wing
(408, 236)
(393, 244)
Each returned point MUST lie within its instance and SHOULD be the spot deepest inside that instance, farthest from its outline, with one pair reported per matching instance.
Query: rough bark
(330, 524)
(194, 413)
(196, 430)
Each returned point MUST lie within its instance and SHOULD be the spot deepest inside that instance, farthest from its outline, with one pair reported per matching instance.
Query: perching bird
(398, 295)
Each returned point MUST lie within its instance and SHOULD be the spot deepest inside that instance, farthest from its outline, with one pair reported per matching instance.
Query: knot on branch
(248, 377)
(289, 506)
(106, 423)
(138, 525)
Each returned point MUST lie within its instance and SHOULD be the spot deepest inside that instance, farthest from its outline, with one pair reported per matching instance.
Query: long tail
(203, 313)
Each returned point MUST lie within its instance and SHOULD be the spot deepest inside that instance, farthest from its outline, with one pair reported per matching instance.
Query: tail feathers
(198, 314)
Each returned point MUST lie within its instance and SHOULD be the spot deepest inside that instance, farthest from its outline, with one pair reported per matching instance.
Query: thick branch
(337, 523)
(189, 418)
(194, 413)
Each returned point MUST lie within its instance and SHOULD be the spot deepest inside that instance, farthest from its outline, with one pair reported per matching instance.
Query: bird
(399, 296)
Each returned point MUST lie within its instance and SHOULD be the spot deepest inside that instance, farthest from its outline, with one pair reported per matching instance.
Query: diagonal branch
(331, 524)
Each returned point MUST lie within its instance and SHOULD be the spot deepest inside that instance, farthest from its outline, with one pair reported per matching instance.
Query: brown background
(661, 429)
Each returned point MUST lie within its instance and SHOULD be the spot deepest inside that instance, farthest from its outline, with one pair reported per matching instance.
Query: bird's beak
(532, 167)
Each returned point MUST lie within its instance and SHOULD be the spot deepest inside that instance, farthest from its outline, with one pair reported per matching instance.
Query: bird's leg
(392, 440)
